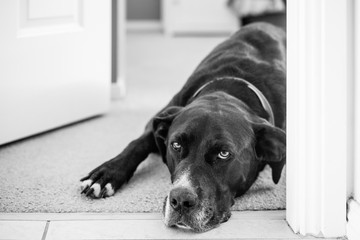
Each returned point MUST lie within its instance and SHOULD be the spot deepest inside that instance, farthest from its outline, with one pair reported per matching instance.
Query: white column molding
(317, 86)
(352, 229)
(356, 165)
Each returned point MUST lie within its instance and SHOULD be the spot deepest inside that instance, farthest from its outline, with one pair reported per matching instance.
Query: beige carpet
(41, 174)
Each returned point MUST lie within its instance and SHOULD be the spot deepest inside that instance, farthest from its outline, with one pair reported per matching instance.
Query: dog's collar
(264, 102)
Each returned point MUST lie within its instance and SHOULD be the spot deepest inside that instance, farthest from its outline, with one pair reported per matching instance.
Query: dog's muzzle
(184, 209)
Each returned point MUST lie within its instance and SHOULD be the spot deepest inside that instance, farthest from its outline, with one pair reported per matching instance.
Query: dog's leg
(104, 180)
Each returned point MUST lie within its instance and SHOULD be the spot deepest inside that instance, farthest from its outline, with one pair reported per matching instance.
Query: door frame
(319, 116)
(352, 228)
(118, 38)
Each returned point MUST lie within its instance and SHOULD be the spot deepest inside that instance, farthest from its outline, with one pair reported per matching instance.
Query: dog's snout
(182, 199)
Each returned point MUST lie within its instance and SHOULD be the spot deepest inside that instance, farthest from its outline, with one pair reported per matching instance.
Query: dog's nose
(182, 199)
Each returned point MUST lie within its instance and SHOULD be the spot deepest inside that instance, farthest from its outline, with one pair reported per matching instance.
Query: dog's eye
(176, 146)
(224, 155)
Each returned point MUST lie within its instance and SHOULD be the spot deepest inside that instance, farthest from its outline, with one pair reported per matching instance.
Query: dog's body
(216, 134)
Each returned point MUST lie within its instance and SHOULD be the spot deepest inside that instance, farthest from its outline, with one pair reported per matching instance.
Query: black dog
(216, 134)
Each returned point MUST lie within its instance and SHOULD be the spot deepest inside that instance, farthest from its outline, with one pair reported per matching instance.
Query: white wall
(198, 17)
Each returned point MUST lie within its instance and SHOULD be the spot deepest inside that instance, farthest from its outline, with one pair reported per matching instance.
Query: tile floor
(49, 226)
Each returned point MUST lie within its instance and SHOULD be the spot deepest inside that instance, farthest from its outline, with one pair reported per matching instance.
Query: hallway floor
(47, 226)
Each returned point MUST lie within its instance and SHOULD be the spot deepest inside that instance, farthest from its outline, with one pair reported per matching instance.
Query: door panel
(55, 64)
(38, 17)
(50, 8)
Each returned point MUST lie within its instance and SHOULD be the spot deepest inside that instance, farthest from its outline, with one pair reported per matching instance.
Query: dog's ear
(161, 125)
(270, 147)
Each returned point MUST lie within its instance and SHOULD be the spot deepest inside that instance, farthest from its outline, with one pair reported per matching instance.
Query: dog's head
(214, 148)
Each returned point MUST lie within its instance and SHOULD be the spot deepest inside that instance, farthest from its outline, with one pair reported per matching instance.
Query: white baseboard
(118, 90)
(144, 25)
(352, 228)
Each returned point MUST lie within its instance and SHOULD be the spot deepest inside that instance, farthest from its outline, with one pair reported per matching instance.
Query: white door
(54, 64)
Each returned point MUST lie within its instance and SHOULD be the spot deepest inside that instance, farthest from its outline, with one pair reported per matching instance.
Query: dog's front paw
(94, 190)
(103, 181)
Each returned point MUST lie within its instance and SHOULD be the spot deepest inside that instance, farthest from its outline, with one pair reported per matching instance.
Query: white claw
(109, 190)
(85, 184)
(97, 189)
